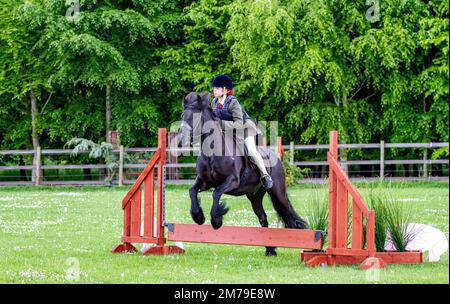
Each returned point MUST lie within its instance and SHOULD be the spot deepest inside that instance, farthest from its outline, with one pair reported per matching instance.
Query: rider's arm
(236, 111)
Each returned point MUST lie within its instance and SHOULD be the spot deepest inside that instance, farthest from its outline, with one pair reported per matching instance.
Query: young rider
(232, 115)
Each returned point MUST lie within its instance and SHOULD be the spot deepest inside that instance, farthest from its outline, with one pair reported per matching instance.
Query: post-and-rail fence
(126, 173)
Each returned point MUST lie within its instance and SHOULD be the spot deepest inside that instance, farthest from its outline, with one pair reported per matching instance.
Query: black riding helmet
(222, 81)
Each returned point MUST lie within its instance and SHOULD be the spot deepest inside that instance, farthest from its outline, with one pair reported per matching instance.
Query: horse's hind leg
(257, 205)
(196, 211)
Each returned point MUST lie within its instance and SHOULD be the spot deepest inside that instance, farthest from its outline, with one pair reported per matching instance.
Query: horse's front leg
(218, 210)
(196, 210)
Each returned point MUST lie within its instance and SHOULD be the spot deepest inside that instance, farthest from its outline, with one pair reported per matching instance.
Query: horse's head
(196, 101)
(196, 111)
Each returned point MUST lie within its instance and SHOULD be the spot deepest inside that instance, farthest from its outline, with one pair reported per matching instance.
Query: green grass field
(48, 234)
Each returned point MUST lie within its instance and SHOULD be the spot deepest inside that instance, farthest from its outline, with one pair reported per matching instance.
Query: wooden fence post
(382, 160)
(37, 165)
(291, 153)
(173, 157)
(425, 165)
(121, 165)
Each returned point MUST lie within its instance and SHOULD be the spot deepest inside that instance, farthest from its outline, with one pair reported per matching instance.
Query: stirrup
(267, 181)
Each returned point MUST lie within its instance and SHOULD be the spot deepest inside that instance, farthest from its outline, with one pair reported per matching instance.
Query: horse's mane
(211, 114)
(200, 102)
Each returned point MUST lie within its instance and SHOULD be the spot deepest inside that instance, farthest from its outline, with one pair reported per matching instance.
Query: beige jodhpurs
(250, 143)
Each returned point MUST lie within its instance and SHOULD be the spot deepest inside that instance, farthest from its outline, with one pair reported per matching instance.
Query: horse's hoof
(222, 209)
(198, 217)
(270, 251)
(216, 223)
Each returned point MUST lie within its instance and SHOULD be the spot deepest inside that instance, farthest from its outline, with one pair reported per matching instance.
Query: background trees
(311, 65)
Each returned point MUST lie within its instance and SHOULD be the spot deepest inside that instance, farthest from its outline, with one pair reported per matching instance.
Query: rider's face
(219, 92)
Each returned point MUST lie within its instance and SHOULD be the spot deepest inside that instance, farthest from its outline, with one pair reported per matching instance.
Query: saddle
(248, 166)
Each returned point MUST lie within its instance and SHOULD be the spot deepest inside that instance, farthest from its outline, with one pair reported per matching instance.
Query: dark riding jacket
(233, 115)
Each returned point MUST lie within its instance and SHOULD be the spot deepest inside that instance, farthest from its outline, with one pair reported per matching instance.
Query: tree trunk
(343, 152)
(102, 172)
(37, 174)
(108, 110)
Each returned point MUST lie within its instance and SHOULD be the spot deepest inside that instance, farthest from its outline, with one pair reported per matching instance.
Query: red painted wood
(237, 235)
(316, 261)
(342, 177)
(332, 191)
(342, 216)
(334, 144)
(332, 197)
(357, 227)
(136, 213)
(127, 220)
(349, 251)
(125, 247)
(394, 257)
(370, 233)
(141, 178)
(163, 250)
(139, 239)
(332, 210)
(161, 163)
(280, 148)
(410, 257)
(149, 204)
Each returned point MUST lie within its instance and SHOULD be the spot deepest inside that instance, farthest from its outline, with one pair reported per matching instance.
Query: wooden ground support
(339, 252)
(319, 258)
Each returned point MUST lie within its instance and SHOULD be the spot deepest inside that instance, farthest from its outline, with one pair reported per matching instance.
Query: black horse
(232, 175)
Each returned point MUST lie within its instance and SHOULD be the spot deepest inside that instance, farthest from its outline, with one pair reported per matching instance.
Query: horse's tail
(287, 214)
(280, 200)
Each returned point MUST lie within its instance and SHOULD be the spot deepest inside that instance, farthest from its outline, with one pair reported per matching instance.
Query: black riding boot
(267, 181)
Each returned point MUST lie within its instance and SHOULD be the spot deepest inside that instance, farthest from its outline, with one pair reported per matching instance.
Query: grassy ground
(48, 234)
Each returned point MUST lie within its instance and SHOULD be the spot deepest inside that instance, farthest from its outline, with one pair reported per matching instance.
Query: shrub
(377, 202)
(292, 172)
(318, 212)
(392, 217)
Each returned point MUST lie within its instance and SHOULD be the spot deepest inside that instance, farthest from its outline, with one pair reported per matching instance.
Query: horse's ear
(187, 99)
(205, 97)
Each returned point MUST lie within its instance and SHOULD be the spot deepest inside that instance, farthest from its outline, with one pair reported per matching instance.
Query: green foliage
(397, 220)
(391, 220)
(319, 217)
(292, 172)
(377, 201)
(441, 152)
(309, 60)
(313, 65)
(96, 151)
(318, 212)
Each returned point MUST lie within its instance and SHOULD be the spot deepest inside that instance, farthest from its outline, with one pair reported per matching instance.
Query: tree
(24, 75)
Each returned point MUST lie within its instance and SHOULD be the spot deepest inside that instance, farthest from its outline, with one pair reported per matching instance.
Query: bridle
(186, 126)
